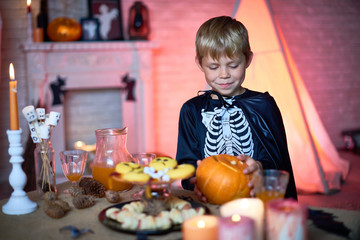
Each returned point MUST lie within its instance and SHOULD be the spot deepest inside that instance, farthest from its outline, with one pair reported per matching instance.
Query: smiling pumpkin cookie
(126, 167)
(162, 163)
(181, 171)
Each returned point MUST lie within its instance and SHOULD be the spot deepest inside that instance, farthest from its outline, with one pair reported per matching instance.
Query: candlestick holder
(19, 203)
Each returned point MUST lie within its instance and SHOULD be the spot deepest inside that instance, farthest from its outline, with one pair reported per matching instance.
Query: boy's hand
(199, 194)
(254, 167)
(196, 190)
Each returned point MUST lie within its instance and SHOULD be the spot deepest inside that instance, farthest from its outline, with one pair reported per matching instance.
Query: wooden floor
(347, 198)
(349, 195)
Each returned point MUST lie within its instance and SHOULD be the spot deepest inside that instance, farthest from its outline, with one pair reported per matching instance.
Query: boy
(229, 119)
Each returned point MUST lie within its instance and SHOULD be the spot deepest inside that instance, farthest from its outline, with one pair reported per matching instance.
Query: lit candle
(200, 227)
(14, 117)
(236, 227)
(29, 22)
(249, 207)
(286, 219)
(28, 3)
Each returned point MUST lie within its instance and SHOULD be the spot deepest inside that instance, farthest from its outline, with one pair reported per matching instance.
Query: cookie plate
(114, 225)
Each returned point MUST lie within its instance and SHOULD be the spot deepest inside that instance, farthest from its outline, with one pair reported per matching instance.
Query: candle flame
(28, 2)
(11, 72)
(201, 224)
(79, 145)
(236, 218)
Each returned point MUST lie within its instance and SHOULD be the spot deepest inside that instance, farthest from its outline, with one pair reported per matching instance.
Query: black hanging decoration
(129, 87)
(57, 90)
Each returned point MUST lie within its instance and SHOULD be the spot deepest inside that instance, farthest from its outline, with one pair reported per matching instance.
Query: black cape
(265, 121)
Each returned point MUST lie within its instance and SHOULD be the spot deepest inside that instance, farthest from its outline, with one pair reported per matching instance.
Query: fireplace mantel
(85, 46)
(96, 65)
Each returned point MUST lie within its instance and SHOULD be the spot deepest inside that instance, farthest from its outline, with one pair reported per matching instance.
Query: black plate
(116, 225)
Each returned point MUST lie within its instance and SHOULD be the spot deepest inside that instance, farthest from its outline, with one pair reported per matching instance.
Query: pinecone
(76, 191)
(83, 201)
(63, 204)
(53, 210)
(154, 206)
(92, 187)
(112, 196)
(50, 196)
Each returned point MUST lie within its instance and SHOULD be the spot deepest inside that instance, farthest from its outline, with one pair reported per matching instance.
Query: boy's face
(225, 75)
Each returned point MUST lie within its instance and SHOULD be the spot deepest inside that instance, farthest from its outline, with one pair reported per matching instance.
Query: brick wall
(323, 37)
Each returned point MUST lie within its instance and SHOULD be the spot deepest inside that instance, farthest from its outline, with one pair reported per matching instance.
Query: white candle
(200, 227)
(286, 219)
(249, 207)
(29, 21)
(236, 227)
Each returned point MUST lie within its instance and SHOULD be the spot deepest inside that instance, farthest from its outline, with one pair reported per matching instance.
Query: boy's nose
(224, 73)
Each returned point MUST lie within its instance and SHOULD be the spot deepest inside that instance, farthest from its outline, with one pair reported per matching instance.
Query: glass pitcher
(110, 150)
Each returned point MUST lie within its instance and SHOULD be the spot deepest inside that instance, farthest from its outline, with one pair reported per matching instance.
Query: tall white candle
(29, 22)
(249, 207)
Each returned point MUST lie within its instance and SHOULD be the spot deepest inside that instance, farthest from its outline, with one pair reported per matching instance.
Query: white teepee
(316, 164)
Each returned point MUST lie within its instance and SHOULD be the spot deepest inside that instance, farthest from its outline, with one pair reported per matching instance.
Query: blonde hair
(222, 36)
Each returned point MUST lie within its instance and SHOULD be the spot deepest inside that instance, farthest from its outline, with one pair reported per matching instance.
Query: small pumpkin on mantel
(64, 29)
(221, 179)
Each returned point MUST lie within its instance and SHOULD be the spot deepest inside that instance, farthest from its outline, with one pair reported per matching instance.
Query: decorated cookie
(136, 177)
(162, 163)
(126, 167)
(181, 171)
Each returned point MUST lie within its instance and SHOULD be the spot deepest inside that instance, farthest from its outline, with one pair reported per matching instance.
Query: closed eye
(213, 67)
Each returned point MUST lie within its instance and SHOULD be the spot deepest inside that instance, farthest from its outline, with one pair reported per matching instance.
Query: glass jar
(45, 167)
(110, 150)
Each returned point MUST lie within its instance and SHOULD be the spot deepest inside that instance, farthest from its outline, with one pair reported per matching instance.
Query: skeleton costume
(249, 124)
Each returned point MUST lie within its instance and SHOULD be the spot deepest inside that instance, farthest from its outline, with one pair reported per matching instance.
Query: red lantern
(139, 27)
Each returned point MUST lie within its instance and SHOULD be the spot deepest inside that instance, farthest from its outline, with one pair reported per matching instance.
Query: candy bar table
(37, 225)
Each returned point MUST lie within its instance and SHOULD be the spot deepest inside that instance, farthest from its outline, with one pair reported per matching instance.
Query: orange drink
(102, 174)
(270, 184)
(74, 177)
(267, 195)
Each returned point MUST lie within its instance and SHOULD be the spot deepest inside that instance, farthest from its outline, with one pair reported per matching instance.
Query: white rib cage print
(228, 132)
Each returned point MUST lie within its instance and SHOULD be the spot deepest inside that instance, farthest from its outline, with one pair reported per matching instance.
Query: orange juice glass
(271, 184)
(74, 177)
(267, 195)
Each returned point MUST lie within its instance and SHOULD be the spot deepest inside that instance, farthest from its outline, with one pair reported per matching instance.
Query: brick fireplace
(112, 75)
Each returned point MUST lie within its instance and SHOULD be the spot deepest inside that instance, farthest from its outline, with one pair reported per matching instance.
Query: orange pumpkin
(64, 29)
(221, 179)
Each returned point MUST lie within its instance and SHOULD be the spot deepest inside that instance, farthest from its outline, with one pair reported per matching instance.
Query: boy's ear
(198, 63)
(249, 59)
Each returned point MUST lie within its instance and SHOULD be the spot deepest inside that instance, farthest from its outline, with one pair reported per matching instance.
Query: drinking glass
(271, 184)
(143, 159)
(73, 164)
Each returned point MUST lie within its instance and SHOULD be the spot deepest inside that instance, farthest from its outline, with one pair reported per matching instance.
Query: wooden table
(38, 225)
